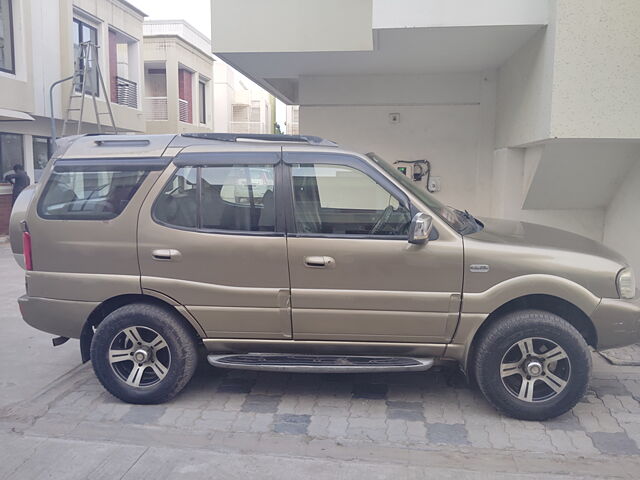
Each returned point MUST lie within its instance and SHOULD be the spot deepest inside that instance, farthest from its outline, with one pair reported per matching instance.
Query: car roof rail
(265, 137)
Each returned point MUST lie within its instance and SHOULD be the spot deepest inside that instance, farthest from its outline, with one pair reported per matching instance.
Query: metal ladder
(85, 65)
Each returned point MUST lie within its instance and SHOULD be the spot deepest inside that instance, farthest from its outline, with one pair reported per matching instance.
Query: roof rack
(266, 137)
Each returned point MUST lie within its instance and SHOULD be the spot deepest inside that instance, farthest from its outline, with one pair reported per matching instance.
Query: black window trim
(214, 159)
(12, 70)
(322, 158)
(113, 163)
(191, 160)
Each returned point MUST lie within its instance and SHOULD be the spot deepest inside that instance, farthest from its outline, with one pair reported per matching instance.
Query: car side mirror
(420, 228)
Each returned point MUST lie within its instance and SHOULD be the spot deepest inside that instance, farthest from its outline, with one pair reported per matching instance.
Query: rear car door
(354, 276)
(210, 239)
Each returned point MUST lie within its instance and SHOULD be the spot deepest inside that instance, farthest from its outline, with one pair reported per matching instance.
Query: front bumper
(58, 317)
(617, 322)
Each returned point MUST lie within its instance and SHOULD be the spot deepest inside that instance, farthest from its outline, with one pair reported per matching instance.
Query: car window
(178, 203)
(340, 200)
(88, 193)
(239, 197)
(229, 197)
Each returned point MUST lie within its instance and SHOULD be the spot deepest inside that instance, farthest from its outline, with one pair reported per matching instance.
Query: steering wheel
(382, 221)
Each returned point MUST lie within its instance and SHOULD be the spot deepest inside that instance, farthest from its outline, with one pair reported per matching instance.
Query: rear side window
(88, 193)
(228, 197)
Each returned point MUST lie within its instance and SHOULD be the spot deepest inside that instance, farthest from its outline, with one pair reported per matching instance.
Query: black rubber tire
(180, 340)
(502, 335)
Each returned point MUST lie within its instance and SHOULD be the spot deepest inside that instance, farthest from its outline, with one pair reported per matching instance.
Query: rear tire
(143, 354)
(532, 365)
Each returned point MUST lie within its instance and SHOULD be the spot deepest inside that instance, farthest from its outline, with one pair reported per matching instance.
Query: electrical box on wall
(434, 184)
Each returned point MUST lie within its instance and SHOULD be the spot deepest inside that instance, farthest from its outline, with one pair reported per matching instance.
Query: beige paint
(255, 290)
(172, 52)
(16, 90)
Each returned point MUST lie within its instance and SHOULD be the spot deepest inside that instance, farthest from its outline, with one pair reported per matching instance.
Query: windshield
(463, 222)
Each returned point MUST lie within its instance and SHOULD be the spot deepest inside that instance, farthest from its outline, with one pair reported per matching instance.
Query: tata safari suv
(289, 254)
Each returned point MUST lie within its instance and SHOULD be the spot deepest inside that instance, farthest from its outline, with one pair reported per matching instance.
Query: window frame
(202, 94)
(12, 40)
(356, 163)
(227, 159)
(81, 23)
(22, 149)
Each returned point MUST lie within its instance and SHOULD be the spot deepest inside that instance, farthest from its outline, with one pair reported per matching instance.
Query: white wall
(291, 25)
(407, 89)
(524, 92)
(596, 81)
(446, 135)
(457, 13)
(622, 221)
(510, 177)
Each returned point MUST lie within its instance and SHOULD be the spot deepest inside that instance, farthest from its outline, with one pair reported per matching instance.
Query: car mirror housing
(420, 229)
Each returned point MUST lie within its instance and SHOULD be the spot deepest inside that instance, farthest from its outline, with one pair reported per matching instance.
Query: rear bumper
(58, 317)
(617, 322)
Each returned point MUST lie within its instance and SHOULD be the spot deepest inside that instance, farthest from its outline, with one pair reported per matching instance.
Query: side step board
(275, 362)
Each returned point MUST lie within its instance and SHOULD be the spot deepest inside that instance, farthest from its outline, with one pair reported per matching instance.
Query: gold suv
(288, 253)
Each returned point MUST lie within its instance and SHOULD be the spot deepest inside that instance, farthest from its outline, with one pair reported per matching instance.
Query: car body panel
(511, 249)
(376, 289)
(234, 284)
(243, 292)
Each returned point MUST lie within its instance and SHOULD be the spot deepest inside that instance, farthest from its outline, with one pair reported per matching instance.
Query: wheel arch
(113, 303)
(548, 303)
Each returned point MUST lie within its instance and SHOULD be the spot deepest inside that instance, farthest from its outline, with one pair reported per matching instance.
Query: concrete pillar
(508, 169)
(172, 89)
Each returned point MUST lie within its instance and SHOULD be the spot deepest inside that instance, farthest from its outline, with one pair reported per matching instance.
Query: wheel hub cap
(142, 355)
(534, 368)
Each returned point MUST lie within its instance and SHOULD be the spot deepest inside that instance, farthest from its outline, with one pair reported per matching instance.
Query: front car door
(210, 239)
(354, 276)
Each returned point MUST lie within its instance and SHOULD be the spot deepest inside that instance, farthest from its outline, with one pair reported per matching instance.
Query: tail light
(26, 250)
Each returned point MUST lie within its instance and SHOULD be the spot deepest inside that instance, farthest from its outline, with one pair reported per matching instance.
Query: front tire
(532, 365)
(143, 354)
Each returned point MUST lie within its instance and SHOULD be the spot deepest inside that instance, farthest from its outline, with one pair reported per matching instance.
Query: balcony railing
(185, 111)
(247, 127)
(155, 109)
(126, 92)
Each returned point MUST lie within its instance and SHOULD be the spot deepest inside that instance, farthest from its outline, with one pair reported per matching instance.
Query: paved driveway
(236, 424)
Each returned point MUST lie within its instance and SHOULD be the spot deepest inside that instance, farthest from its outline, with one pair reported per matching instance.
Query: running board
(275, 362)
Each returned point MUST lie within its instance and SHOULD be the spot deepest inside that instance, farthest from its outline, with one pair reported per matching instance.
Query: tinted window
(178, 203)
(235, 198)
(88, 193)
(340, 200)
(6, 37)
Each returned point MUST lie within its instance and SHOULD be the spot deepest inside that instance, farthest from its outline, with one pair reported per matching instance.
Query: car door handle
(166, 254)
(319, 262)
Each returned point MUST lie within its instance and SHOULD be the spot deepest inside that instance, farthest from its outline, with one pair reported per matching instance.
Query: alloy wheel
(139, 356)
(535, 369)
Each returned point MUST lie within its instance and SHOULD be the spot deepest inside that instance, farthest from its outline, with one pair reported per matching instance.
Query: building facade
(178, 75)
(39, 40)
(241, 105)
(526, 109)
